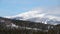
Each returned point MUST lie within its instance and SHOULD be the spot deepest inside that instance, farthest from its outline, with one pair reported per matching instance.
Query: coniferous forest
(11, 26)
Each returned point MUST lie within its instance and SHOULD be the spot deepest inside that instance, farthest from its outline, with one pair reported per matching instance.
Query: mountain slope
(36, 16)
(10, 26)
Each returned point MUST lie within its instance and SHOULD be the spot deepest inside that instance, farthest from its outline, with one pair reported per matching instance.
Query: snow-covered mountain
(36, 16)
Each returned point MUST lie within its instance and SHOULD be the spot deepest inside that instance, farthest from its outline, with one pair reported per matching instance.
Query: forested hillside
(10, 26)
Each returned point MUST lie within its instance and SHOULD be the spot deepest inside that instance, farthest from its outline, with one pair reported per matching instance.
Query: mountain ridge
(35, 16)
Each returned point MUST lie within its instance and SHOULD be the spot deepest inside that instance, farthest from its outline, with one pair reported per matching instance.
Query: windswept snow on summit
(27, 15)
(37, 16)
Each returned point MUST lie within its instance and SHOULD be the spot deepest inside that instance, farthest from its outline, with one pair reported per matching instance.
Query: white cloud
(40, 12)
(55, 11)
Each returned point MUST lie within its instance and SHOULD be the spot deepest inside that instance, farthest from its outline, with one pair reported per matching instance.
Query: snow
(30, 15)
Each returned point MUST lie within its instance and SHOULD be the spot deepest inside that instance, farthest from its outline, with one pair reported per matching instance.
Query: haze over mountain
(37, 16)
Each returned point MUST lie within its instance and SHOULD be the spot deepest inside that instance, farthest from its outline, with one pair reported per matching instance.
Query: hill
(11, 26)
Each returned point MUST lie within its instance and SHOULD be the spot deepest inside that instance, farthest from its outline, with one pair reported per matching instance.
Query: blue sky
(13, 7)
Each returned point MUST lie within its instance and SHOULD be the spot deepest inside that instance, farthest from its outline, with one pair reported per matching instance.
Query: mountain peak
(35, 16)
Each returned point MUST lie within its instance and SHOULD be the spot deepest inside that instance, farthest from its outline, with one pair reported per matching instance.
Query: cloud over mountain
(39, 15)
